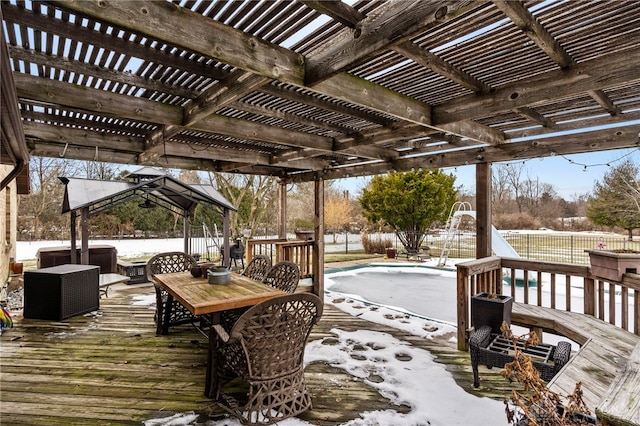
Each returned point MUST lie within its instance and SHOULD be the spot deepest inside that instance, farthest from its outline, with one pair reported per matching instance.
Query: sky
(571, 175)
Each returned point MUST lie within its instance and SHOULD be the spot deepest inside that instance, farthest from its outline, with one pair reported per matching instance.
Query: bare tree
(255, 197)
(41, 211)
(514, 182)
(98, 170)
(500, 189)
(299, 213)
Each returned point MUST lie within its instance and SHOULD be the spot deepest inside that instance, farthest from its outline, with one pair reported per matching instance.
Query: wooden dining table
(202, 298)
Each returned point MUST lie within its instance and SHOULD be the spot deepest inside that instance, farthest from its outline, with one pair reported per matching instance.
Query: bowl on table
(196, 271)
(205, 267)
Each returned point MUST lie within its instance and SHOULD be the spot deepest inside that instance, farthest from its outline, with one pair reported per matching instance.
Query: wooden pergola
(315, 90)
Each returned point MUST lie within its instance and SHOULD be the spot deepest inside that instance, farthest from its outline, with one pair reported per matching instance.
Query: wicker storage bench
(61, 291)
(493, 350)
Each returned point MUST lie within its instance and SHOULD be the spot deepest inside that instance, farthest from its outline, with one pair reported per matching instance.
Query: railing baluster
(525, 279)
(612, 303)
(601, 300)
(624, 308)
(636, 312)
(567, 285)
(589, 285)
(539, 287)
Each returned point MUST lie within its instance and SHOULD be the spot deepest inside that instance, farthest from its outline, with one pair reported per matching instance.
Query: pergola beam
(562, 144)
(597, 74)
(191, 31)
(525, 21)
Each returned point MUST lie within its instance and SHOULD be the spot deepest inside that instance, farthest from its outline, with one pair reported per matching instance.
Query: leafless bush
(375, 243)
(516, 221)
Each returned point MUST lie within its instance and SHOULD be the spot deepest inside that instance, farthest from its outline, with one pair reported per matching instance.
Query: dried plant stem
(541, 408)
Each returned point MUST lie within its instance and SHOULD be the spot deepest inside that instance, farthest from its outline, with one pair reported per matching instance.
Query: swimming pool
(428, 292)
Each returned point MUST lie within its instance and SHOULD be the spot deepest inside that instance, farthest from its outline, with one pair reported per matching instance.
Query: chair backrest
(258, 267)
(273, 333)
(174, 261)
(284, 276)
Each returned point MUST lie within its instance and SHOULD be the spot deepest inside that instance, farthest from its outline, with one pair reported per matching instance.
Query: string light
(586, 166)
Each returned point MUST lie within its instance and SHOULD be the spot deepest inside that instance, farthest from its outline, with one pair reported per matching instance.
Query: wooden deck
(111, 368)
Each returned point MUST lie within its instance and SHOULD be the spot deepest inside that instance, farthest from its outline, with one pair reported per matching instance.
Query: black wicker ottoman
(493, 350)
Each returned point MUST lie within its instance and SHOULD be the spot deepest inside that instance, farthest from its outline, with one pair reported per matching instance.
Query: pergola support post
(282, 217)
(483, 210)
(318, 244)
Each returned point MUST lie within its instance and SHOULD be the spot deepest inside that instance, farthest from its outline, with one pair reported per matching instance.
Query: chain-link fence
(545, 246)
(550, 247)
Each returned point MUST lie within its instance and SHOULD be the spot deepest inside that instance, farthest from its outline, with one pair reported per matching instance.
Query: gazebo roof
(151, 184)
(308, 89)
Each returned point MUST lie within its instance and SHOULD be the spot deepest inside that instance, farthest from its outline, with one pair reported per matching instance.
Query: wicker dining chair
(265, 350)
(256, 270)
(284, 276)
(258, 267)
(173, 313)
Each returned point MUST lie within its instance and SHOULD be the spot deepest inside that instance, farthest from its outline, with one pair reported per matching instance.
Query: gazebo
(85, 197)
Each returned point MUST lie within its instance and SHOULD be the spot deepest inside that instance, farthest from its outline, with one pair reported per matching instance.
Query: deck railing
(554, 285)
(296, 251)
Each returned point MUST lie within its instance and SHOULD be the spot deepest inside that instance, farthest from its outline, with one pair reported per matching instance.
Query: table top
(200, 297)
(111, 278)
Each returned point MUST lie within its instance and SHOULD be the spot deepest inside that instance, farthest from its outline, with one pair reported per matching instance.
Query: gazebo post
(84, 224)
(73, 236)
(226, 235)
(185, 231)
